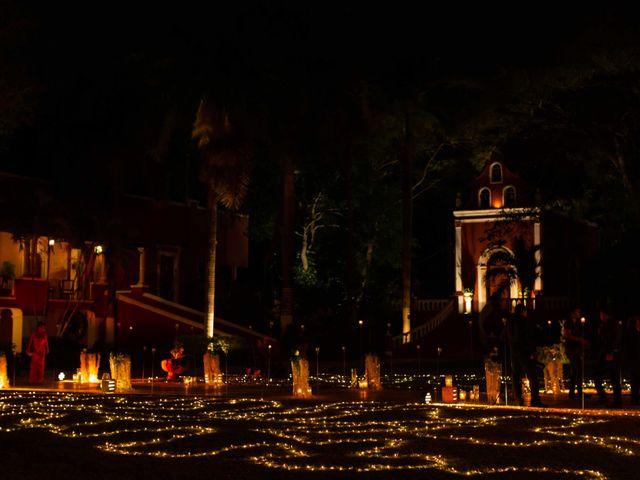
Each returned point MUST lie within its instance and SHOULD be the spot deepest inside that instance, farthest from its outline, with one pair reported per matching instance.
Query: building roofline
(497, 213)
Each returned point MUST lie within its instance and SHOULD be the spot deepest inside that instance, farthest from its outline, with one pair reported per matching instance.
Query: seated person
(177, 364)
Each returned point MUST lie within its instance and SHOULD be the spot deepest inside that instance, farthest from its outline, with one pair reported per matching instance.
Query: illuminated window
(496, 173)
(484, 198)
(509, 197)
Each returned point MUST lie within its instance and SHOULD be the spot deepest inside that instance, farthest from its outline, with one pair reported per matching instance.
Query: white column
(458, 274)
(17, 328)
(537, 242)
(481, 273)
(142, 262)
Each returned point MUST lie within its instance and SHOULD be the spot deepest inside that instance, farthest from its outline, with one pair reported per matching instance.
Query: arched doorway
(495, 277)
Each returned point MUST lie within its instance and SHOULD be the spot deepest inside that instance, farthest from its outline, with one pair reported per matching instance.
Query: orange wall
(473, 247)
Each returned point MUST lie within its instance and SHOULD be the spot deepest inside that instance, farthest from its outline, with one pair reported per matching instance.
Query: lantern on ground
(449, 392)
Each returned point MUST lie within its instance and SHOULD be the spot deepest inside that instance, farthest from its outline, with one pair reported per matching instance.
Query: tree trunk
(211, 263)
(304, 259)
(407, 215)
(288, 203)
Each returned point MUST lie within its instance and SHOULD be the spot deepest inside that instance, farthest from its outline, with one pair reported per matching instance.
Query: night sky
(111, 94)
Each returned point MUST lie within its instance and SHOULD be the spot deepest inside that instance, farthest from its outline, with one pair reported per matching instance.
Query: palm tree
(225, 170)
(522, 265)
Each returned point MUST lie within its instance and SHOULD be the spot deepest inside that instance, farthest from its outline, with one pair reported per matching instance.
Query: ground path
(69, 434)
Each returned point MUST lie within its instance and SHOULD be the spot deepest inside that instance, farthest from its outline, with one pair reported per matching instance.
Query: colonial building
(508, 248)
(142, 283)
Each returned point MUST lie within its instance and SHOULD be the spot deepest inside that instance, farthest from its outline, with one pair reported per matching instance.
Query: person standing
(521, 335)
(608, 357)
(574, 347)
(37, 349)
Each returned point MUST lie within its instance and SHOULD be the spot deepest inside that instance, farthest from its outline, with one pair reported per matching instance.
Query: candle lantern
(476, 393)
(107, 385)
(449, 392)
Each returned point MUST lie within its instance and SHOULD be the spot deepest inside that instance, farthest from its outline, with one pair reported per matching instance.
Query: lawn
(74, 435)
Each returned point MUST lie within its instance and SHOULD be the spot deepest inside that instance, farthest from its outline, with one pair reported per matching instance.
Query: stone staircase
(447, 310)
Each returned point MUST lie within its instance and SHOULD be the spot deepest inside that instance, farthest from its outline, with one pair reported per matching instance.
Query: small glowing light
(98, 249)
(52, 242)
(427, 398)
(61, 376)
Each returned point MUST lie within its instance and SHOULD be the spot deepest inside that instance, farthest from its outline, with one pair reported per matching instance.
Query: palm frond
(225, 154)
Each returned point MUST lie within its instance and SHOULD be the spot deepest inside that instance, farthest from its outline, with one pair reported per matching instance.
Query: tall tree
(225, 170)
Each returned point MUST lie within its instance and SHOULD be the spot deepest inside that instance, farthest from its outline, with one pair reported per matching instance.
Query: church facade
(510, 249)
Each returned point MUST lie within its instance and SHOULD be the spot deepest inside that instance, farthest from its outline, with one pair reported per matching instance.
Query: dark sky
(99, 72)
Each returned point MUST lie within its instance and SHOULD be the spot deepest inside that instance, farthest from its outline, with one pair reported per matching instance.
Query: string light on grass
(355, 437)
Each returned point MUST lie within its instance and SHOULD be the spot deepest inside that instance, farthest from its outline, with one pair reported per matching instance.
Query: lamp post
(50, 245)
(153, 356)
(268, 364)
(144, 354)
(13, 361)
(317, 369)
(418, 350)
(344, 361)
(439, 351)
(582, 322)
(389, 346)
(471, 342)
(361, 323)
(504, 370)
(226, 371)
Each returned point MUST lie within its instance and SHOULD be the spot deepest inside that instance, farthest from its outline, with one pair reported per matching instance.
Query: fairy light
(360, 436)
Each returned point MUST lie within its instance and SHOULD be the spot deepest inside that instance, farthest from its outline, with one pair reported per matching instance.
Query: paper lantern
(449, 394)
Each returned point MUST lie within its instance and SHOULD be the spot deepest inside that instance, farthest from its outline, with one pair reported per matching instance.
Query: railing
(535, 303)
(423, 304)
(430, 304)
(424, 329)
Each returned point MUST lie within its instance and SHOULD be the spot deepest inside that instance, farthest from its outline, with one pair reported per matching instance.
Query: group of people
(607, 349)
(604, 347)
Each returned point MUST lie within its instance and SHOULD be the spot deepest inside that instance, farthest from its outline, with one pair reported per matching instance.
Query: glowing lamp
(61, 376)
(463, 395)
(98, 249)
(52, 242)
(448, 380)
(476, 393)
(108, 385)
(449, 394)
(468, 298)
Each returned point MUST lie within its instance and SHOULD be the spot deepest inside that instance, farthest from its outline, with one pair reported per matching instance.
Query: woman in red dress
(37, 349)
